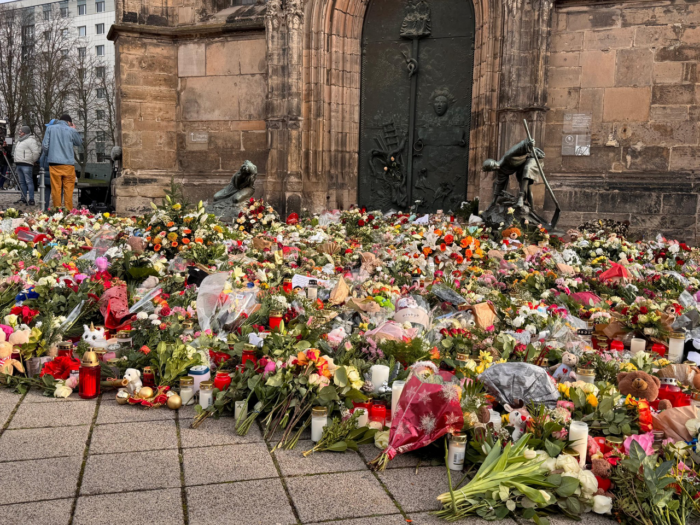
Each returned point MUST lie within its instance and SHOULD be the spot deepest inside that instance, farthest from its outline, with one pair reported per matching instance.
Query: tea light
(187, 390)
(586, 374)
(456, 451)
(379, 375)
(396, 390)
(319, 419)
(206, 394)
(637, 345)
(578, 435)
(240, 409)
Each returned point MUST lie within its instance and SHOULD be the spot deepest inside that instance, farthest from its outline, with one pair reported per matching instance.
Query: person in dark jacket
(4, 166)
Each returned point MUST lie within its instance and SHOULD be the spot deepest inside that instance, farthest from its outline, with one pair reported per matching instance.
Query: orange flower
(174, 244)
(186, 231)
(427, 251)
(148, 229)
(301, 358)
(443, 247)
(449, 239)
(468, 254)
(438, 232)
(170, 224)
(199, 240)
(435, 353)
(459, 259)
(185, 241)
(148, 239)
(157, 247)
(466, 241)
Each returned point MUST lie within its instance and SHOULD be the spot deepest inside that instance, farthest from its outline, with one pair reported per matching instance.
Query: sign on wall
(576, 137)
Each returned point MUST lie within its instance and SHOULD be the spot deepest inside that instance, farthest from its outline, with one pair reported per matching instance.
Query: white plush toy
(518, 419)
(95, 337)
(134, 377)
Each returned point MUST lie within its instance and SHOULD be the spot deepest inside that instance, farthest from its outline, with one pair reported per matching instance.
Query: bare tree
(108, 84)
(52, 64)
(85, 100)
(16, 39)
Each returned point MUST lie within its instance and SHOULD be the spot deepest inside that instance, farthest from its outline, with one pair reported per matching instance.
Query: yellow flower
(563, 389)
(172, 236)
(486, 356)
(628, 367)
(592, 400)
(105, 215)
(177, 206)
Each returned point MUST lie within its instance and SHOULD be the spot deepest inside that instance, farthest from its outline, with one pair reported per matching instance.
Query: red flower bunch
(25, 313)
(60, 367)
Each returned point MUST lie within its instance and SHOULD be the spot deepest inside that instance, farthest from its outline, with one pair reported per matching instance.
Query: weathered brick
(563, 77)
(680, 203)
(665, 222)
(667, 72)
(600, 161)
(629, 201)
(655, 36)
(573, 200)
(685, 158)
(609, 39)
(591, 101)
(626, 104)
(564, 59)
(646, 158)
(597, 68)
(658, 133)
(669, 113)
(634, 67)
(691, 35)
(682, 53)
(563, 98)
(673, 94)
(593, 19)
(567, 41)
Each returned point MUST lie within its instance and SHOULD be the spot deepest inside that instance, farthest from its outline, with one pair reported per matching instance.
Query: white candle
(363, 420)
(379, 375)
(456, 451)
(319, 419)
(676, 342)
(495, 420)
(637, 345)
(240, 407)
(396, 389)
(578, 435)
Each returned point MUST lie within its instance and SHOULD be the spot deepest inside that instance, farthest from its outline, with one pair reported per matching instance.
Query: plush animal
(564, 371)
(601, 469)
(639, 384)
(95, 337)
(7, 364)
(518, 419)
(133, 376)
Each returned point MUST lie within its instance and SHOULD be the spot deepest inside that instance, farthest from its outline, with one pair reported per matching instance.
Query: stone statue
(229, 201)
(518, 160)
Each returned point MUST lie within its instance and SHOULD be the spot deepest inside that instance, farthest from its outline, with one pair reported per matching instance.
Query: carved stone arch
(331, 106)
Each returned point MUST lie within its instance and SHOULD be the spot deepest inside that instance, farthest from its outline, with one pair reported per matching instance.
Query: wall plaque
(576, 136)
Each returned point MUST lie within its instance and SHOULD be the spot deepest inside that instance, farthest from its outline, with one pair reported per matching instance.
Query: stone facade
(203, 87)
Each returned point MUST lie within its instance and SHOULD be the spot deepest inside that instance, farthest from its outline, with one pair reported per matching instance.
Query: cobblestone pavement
(87, 462)
(8, 199)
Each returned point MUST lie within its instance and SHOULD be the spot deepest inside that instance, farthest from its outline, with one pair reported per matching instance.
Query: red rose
(360, 223)
(60, 367)
(643, 310)
(145, 350)
(449, 239)
(165, 311)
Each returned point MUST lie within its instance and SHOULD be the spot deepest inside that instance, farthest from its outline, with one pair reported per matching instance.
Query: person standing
(26, 152)
(59, 141)
(4, 166)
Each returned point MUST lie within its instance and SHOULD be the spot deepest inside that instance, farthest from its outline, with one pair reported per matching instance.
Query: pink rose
(645, 440)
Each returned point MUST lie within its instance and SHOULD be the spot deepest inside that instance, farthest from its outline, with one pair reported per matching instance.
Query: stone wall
(633, 67)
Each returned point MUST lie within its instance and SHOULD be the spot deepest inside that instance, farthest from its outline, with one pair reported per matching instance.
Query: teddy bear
(518, 419)
(7, 364)
(564, 371)
(639, 384)
(134, 377)
(601, 469)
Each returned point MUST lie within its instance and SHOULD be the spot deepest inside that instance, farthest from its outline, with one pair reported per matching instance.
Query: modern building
(90, 20)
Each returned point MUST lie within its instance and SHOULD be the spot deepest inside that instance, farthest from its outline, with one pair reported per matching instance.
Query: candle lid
(458, 438)
(186, 381)
(319, 411)
(276, 313)
(223, 373)
(588, 372)
(249, 348)
(65, 345)
(206, 385)
(123, 334)
(188, 325)
(287, 280)
(462, 357)
(146, 370)
(677, 335)
(90, 359)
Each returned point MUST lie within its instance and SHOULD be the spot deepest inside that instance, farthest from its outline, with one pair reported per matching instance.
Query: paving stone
(152, 507)
(44, 512)
(393, 519)
(37, 415)
(227, 463)
(417, 491)
(8, 397)
(133, 437)
(369, 452)
(261, 502)
(39, 443)
(586, 519)
(111, 412)
(37, 396)
(5, 411)
(351, 495)
(156, 469)
(39, 479)
(216, 432)
(292, 462)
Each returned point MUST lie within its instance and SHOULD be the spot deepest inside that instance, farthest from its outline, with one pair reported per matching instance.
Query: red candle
(275, 320)
(618, 346)
(89, 376)
(377, 413)
(249, 354)
(287, 286)
(222, 380)
(149, 378)
(658, 349)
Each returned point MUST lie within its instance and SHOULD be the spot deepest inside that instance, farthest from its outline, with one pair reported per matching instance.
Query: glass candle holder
(456, 451)
(319, 419)
(65, 349)
(586, 374)
(275, 319)
(287, 285)
(578, 435)
(89, 376)
(676, 342)
(149, 377)
(206, 394)
(187, 390)
(222, 380)
(249, 352)
(312, 290)
(617, 346)
(199, 373)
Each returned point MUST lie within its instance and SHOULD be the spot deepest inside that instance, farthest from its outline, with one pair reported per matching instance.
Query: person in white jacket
(27, 151)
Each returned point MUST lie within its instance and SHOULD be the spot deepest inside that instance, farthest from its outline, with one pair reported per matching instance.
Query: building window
(27, 40)
(47, 36)
(100, 114)
(100, 51)
(81, 52)
(65, 33)
(99, 29)
(100, 7)
(64, 12)
(82, 31)
(100, 71)
(100, 92)
(82, 9)
(47, 15)
(243, 2)
(64, 52)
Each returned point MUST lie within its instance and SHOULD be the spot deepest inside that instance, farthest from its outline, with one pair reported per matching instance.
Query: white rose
(62, 391)
(693, 425)
(155, 322)
(568, 464)
(141, 316)
(381, 439)
(518, 321)
(548, 462)
(589, 484)
(602, 504)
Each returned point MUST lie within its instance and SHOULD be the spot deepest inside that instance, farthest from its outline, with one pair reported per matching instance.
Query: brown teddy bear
(640, 385)
(7, 364)
(601, 469)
